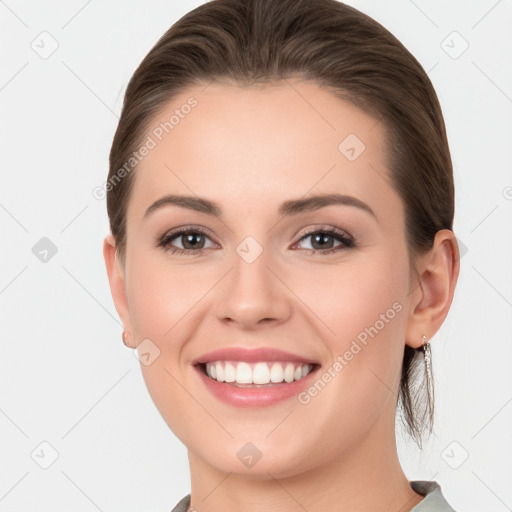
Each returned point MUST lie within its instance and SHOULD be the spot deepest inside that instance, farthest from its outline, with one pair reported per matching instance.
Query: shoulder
(434, 501)
(182, 505)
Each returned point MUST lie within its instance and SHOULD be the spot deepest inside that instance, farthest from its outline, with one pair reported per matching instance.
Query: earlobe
(117, 287)
(438, 273)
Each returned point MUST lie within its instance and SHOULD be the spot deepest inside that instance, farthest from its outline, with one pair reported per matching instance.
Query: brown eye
(185, 241)
(192, 240)
(325, 240)
(322, 241)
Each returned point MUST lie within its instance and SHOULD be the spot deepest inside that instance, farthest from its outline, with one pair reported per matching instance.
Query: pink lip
(251, 355)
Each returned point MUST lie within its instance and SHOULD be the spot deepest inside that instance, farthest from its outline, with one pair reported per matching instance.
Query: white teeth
(289, 372)
(219, 371)
(276, 373)
(229, 372)
(243, 373)
(261, 374)
(257, 373)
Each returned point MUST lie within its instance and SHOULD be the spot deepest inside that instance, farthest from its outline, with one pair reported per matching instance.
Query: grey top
(434, 500)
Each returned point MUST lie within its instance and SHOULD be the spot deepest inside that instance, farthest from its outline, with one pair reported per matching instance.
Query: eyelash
(341, 236)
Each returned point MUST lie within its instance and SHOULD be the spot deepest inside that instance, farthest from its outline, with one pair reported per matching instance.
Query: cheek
(350, 297)
(164, 301)
(361, 314)
(161, 295)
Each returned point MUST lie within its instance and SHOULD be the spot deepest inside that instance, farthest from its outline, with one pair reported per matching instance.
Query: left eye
(323, 240)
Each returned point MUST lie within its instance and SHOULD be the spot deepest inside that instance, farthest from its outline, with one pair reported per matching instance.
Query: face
(263, 265)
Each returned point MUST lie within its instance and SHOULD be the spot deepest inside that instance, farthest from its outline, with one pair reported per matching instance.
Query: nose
(253, 294)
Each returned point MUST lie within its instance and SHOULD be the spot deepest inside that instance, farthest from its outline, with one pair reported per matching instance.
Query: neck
(362, 479)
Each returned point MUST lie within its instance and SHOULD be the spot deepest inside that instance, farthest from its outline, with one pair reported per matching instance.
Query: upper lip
(251, 355)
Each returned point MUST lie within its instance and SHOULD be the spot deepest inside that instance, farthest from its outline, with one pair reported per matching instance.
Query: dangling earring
(124, 338)
(428, 367)
(427, 354)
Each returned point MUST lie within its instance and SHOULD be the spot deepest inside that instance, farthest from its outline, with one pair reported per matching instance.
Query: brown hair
(336, 46)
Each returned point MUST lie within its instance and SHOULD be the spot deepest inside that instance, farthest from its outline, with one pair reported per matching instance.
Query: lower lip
(255, 397)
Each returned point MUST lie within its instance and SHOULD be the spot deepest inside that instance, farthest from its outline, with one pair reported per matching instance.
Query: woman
(281, 206)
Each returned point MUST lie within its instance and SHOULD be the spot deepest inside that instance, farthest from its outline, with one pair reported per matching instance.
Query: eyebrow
(290, 207)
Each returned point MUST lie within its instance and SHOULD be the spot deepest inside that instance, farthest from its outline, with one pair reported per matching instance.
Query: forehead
(261, 142)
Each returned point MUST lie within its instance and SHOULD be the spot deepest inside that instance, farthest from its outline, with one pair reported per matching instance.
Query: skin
(249, 149)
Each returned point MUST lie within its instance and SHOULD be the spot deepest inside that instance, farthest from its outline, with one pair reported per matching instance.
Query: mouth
(256, 377)
(244, 384)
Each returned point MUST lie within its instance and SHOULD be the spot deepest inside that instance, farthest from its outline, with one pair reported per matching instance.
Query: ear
(116, 279)
(433, 294)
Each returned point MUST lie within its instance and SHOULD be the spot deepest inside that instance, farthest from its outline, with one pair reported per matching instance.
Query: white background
(65, 376)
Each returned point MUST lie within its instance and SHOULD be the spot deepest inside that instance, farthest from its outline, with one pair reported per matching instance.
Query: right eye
(192, 241)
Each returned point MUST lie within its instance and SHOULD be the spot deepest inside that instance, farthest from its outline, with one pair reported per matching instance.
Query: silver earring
(427, 353)
(428, 366)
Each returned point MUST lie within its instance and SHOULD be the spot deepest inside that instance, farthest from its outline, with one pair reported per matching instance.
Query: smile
(252, 384)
